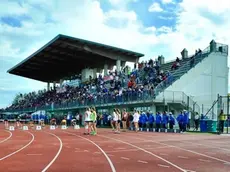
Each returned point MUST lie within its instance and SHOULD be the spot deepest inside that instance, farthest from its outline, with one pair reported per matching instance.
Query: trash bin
(203, 125)
(211, 126)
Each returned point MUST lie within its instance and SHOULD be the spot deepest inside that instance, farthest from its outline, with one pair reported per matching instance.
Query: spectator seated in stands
(118, 87)
(175, 65)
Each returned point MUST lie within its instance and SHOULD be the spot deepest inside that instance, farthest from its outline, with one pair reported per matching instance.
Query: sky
(151, 27)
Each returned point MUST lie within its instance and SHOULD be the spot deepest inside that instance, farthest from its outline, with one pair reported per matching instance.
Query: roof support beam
(109, 53)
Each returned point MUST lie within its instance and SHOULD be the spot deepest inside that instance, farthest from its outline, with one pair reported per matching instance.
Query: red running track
(69, 150)
(5, 135)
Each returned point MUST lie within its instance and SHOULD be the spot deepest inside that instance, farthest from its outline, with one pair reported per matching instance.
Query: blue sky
(152, 27)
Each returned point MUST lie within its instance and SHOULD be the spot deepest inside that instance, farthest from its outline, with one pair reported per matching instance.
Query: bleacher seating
(116, 91)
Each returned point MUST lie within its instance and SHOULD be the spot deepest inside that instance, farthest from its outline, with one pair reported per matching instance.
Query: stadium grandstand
(83, 74)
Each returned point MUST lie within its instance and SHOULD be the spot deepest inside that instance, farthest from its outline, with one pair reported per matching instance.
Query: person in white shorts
(119, 120)
(115, 119)
(136, 117)
(87, 120)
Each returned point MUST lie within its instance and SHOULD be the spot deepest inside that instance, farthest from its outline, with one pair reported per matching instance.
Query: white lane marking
(164, 154)
(106, 156)
(174, 165)
(216, 147)
(7, 137)
(212, 153)
(86, 151)
(58, 153)
(110, 155)
(31, 154)
(142, 161)
(98, 153)
(127, 150)
(125, 158)
(165, 166)
(7, 156)
(226, 163)
(120, 148)
(204, 160)
(182, 157)
(187, 150)
(77, 148)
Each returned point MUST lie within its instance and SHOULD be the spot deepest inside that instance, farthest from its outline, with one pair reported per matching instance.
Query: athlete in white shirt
(87, 120)
(118, 124)
(136, 117)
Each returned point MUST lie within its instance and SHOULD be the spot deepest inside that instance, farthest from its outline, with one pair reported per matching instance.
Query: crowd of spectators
(126, 85)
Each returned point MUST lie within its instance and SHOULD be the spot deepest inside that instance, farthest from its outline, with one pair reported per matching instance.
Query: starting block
(76, 127)
(25, 127)
(52, 127)
(63, 127)
(38, 127)
(11, 128)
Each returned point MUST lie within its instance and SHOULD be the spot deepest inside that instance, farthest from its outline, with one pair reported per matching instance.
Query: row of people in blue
(161, 120)
(164, 120)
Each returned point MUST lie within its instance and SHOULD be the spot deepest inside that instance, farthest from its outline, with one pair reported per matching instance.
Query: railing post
(187, 102)
(173, 97)
(227, 112)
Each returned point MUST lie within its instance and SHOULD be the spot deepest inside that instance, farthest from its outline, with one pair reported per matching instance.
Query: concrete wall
(205, 81)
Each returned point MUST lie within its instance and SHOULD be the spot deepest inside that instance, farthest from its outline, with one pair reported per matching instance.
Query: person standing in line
(180, 120)
(87, 120)
(93, 121)
(77, 119)
(6, 122)
(124, 120)
(136, 117)
(158, 121)
(196, 121)
(118, 127)
(115, 120)
(171, 121)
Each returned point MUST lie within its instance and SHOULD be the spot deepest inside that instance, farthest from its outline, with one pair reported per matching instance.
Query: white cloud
(197, 24)
(167, 1)
(164, 29)
(155, 7)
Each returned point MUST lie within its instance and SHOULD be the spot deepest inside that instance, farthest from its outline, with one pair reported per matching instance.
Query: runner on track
(18, 122)
(93, 121)
(87, 120)
(136, 117)
(124, 120)
(53, 122)
(118, 126)
(6, 122)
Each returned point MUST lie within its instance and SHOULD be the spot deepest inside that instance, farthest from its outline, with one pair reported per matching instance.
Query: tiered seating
(113, 92)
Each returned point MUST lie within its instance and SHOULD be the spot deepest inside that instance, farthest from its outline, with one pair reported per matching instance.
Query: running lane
(5, 135)
(128, 158)
(76, 155)
(18, 141)
(35, 157)
(189, 157)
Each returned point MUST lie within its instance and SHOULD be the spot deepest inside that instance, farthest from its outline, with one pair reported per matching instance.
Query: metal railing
(142, 98)
(137, 97)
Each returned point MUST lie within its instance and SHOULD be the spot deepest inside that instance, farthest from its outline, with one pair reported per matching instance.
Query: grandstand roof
(65, 56)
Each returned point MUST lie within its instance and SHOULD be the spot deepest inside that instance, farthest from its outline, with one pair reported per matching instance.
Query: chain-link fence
(219, 112)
